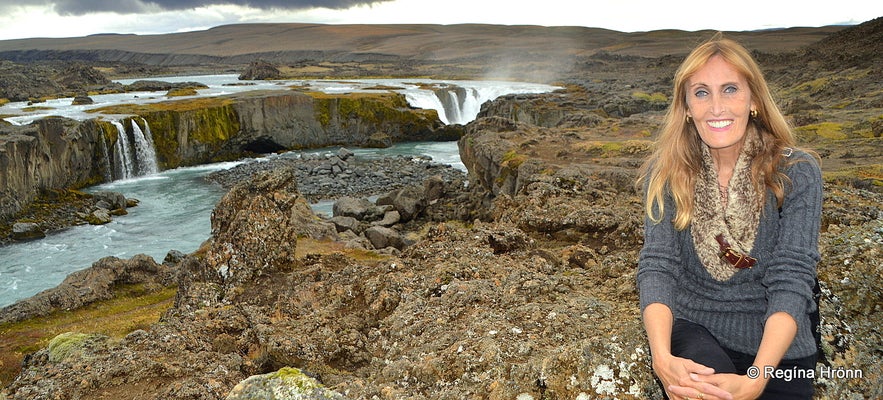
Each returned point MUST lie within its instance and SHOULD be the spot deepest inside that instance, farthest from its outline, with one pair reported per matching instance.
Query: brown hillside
(425, 42)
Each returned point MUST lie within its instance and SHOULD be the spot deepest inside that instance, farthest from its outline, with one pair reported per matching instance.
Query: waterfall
(122, 154)
(108, 168)
(144, 148)
(460, 102)
(136, 155)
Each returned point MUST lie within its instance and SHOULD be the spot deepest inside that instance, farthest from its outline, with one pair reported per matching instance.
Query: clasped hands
(686, 379)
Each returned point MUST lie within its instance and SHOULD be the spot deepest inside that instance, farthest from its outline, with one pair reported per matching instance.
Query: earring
(753, 113)
(689, 119)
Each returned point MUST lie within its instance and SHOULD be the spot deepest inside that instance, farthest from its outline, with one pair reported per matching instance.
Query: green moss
(37, 108)
(656, 97)
(181, 92)
(371, 108)
(512, 159)
(65, 344)
(296, 378)
(813, 86)
(826, 130)
(178, 105)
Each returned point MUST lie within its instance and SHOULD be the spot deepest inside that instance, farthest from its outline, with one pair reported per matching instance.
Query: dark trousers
(692, 341)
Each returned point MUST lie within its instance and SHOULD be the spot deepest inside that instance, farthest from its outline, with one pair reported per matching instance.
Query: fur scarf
(737, 219)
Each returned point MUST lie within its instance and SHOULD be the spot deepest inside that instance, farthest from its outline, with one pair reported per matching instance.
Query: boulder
(409, 202)
(433, 188)
(82, 100)
(286, 383)
(344, 223)
(110, 200)
(253, 229)
(390, 218)
(27, 231)
(260, 70)
(382, 237)
(92, 284)
(99, 217)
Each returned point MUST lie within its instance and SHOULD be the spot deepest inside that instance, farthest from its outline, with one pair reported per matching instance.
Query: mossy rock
(70, 343)
(287, 383)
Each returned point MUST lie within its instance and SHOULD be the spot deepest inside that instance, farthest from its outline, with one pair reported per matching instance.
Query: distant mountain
(286, 43)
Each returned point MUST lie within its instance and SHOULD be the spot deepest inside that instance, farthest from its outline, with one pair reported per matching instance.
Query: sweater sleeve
(659, 262)
(791, 273)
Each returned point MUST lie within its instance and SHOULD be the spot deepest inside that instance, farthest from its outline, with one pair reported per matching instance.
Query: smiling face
(719, 102)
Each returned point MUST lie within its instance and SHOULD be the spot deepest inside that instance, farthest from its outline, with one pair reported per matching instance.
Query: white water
(415, 90)
(175, 205)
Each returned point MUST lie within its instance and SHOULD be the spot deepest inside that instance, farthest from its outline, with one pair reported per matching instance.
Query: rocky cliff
(58, 153)
(52, 153)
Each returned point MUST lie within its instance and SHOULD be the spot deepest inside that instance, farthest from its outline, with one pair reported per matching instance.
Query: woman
(727, 270)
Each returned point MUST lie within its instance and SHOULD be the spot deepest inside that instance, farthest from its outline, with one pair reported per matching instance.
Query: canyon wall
(58, 153)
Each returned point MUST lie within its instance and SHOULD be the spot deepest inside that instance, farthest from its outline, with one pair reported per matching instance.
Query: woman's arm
(676, 373)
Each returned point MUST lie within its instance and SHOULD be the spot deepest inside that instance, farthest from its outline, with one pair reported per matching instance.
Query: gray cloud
(80, 7)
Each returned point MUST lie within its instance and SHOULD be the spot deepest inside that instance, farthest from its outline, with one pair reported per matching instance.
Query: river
(175, 205)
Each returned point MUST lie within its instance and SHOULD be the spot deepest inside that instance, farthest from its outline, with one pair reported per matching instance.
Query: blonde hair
(677, 157)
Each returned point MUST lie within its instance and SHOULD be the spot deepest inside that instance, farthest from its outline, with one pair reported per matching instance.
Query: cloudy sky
(69, 18)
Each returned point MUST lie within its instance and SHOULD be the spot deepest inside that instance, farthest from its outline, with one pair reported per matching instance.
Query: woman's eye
(701, 93)
(730, 89)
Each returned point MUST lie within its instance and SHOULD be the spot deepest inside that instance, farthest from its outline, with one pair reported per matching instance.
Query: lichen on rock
(285, 384)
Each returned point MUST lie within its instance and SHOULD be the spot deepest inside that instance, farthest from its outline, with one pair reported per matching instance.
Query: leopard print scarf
(736, 218)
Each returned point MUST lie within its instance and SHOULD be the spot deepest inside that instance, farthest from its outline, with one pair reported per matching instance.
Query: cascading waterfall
(144, 149)
(108, 169)
(460, 103)
(135, 157)
(123, 155)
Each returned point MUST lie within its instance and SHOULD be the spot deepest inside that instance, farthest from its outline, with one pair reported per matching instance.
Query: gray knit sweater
(735, 310)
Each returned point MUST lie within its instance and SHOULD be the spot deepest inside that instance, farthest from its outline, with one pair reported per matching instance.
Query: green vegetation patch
(825, 130)
(373, 108)
(178, 105)
(656, 97)
(512, 159)
(606, 149)
(181, 92)
(134, 307)
(865, 176)
(65, 344)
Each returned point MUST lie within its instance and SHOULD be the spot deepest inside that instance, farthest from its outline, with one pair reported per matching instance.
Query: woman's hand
(677, 376)
(740, 387)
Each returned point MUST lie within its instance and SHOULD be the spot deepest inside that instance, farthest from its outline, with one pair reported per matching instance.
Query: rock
(71, 344)
(173, 257)
(409, 202)
(113, 200)
(352, 207)
(82, 100)
(433, 188)
(27, 231)
(260, 70)
(390, 218)
(99, 217)
(92, 284)
(344, 153)
(285, 384)
(344, 223)
(253, 232)
(383, 237)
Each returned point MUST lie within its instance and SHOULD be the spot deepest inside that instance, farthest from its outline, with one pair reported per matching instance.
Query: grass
(135, 307)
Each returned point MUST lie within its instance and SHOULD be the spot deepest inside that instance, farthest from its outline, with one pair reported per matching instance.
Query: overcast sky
(69, 18)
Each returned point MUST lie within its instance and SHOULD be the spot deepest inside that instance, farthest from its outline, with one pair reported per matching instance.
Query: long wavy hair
(677, 157)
